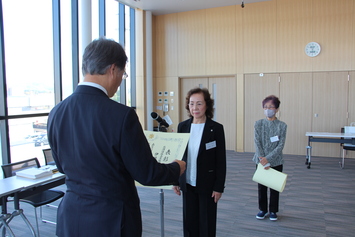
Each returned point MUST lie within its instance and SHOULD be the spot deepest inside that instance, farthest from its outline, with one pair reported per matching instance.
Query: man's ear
(112, 69)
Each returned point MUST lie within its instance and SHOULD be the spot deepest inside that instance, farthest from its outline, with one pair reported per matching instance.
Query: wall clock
(312, 49)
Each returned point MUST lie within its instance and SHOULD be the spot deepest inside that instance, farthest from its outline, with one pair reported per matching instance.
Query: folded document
(270, 178)
(34, 173)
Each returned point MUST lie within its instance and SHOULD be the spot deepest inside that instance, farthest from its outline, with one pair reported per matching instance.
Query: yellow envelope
(271, 178)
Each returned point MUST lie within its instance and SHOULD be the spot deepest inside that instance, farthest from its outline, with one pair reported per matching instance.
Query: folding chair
(38, 199)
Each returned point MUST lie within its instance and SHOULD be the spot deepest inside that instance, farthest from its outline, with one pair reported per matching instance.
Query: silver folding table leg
(4, 219)
(343, 160)
(308, 156)
(19, 212)
(4, 225)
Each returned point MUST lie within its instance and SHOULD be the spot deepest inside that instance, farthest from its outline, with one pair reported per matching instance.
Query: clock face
(312, 49)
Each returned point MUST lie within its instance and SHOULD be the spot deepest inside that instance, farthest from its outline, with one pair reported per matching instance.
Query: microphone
(159, 119)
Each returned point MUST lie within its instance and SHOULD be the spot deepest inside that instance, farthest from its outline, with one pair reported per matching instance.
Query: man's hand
(177, 190)
(182, 166)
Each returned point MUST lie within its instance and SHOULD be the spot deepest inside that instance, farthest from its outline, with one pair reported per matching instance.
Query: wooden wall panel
(220, 41)
(239, 40)
(269, 37)
(352, 48)
(255, 90)
(192, 43)
(294, 31)
(333, 30)
(166, 45)
(168, 84)
(260, 36)
(296, 110)
(240, 112)
(330, 93)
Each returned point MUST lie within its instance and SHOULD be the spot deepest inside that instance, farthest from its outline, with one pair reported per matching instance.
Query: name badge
(210, 145)
(274, 139)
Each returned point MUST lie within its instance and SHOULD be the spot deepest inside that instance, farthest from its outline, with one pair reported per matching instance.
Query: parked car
(33, 137)
(41, 140)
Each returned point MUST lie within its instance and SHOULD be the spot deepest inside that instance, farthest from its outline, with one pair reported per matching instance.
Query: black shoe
(273, 216)
(261, 215)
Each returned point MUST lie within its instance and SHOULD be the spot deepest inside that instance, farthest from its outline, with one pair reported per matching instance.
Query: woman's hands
(264, 162)
(216, 196)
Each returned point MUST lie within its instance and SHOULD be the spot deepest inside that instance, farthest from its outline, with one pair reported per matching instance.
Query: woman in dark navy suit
(202, 184)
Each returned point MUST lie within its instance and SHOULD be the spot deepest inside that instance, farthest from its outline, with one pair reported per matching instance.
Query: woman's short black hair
(275, 101)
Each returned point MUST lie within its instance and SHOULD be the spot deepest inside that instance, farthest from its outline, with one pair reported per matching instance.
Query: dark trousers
(274, 196)
(199, 213)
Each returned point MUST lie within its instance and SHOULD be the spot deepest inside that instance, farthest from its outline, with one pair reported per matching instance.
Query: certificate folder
(271, 178)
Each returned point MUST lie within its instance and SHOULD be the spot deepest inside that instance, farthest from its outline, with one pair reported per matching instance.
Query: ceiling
(161, 7)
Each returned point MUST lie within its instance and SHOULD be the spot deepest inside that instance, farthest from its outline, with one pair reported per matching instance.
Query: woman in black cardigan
(202, 184)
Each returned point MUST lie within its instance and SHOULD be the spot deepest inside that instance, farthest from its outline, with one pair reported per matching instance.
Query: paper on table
(34, 173)
(351, 130)
(271, 178)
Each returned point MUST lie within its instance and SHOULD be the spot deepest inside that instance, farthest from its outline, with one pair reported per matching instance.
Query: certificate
(166, 147)
(270, 177)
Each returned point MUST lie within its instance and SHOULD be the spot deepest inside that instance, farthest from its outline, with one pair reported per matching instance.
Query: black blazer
(100, 145)
(211, 161)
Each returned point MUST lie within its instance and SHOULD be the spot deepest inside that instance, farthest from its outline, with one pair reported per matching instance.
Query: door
(187, 84)
(296, 110)
(330, 93)
(223, 91)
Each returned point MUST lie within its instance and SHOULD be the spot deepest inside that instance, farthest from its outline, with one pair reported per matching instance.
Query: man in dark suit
(100, 145)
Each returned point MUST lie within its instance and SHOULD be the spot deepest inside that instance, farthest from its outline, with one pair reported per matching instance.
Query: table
(20, 188)
(327, 137)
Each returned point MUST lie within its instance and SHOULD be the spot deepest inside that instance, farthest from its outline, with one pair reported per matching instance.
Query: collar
(86, 83)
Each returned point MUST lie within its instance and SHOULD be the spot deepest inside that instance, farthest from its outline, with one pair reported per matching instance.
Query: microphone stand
(162, 128)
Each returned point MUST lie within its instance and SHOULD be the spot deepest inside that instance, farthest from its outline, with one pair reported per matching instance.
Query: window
(28, 136)
(28, 40)
(28, 50)
(118, 19)
(39, 45)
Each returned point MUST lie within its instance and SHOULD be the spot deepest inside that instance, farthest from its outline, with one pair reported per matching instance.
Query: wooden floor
(316, 202)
